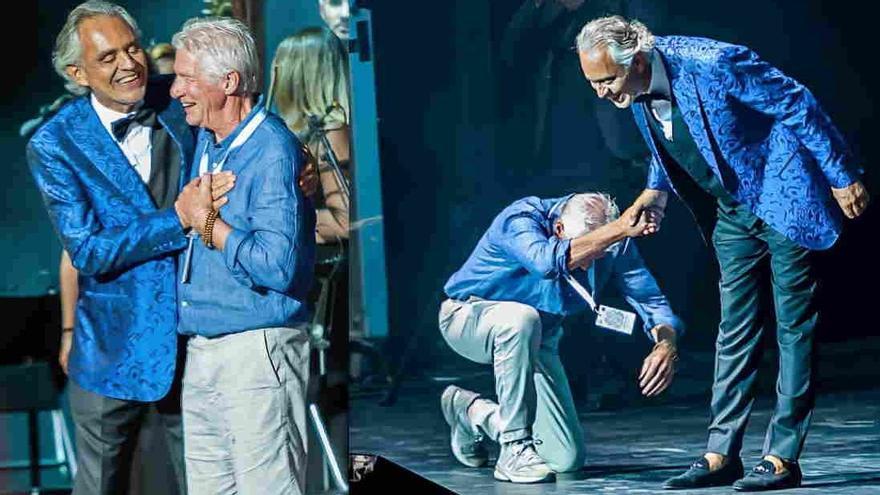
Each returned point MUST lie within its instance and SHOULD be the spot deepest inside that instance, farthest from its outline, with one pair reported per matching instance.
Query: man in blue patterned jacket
(721, 121)
(109, 165)
(505, 307)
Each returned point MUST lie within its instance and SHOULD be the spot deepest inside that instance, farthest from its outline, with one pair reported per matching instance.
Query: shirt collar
(224, 144)
(659, 79)
(107, 115)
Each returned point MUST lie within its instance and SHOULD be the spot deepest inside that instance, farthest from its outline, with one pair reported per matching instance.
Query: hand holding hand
(635, 222)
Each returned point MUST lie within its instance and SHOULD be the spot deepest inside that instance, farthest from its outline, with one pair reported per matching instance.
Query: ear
(77, 74)
(559, 229)
(231, 83)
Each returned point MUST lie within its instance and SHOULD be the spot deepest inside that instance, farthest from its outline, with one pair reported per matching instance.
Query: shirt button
(185, 304)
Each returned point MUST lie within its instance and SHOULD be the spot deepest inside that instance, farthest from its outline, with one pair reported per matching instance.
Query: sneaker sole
(446, 406)
(501, 476)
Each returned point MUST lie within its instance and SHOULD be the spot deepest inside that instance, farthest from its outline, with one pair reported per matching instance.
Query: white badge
(606, 316)
(615, 319)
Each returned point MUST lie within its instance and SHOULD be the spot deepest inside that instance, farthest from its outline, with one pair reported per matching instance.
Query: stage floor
(631, 450)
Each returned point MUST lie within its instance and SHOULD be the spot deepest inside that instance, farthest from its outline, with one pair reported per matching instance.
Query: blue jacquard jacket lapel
(687, 97)
(100, 149)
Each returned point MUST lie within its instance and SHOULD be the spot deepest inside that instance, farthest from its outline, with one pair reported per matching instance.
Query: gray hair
(68, 46)
(583, 213)
(622, 38)
(221, 45)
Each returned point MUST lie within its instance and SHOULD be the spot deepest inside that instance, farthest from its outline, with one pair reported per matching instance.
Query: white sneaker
(518, 462)
(468, 445)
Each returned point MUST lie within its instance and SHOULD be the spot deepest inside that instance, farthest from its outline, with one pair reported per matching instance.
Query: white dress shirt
(661, 109)
(136, 146)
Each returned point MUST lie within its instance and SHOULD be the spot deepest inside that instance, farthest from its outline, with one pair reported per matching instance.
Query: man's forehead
(184, 62)
(101, 31)
(598, 61)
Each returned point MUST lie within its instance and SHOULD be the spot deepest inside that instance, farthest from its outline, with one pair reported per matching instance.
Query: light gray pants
(244, 412)
(534, 398)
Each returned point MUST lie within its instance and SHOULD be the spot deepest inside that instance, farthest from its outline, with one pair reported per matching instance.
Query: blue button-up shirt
(262, 276)
(520, 259)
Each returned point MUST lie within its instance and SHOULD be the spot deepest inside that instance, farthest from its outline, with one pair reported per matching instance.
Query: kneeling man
(539, 261)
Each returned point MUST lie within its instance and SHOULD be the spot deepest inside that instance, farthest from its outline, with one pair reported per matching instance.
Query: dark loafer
(763, 478)
(699, 476)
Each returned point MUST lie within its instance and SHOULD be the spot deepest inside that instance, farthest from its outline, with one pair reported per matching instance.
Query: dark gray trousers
(106, 436)
(745, 246)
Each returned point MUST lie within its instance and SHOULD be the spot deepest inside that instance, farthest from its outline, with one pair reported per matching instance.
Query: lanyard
(582, 291)
(606, 316)
(239, 140)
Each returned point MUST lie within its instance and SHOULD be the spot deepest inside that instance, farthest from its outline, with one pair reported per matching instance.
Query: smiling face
(202, 96)
(612, 81)
(112, 63)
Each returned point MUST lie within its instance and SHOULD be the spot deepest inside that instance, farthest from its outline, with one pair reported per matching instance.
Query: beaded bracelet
(208, 235)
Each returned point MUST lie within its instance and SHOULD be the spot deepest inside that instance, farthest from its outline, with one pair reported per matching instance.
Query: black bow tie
(145, 116)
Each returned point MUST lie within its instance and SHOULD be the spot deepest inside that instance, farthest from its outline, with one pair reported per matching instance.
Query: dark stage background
(461, 91)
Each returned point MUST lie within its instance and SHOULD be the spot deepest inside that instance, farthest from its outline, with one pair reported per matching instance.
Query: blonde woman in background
(312, 81)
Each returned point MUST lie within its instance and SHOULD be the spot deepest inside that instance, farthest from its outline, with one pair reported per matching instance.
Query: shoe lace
(525, 451)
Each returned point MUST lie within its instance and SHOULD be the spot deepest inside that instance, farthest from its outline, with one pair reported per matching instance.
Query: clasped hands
(645, 215)
(646, 212)
(208, 192)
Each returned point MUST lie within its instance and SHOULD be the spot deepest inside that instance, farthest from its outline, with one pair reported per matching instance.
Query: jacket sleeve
(95, 249)
(657, 178)
(764, 88)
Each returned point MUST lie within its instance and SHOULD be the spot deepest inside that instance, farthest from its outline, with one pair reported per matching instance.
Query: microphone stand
(331, 467)
(316, 128)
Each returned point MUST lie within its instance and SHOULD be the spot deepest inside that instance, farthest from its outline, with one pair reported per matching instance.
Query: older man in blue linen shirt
(505, 308)
(243, 284)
